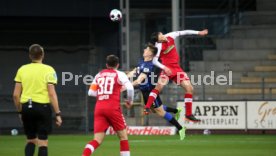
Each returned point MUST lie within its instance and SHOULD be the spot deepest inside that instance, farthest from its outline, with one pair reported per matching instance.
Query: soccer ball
(14, 132)
(115, 15)
(206, 132)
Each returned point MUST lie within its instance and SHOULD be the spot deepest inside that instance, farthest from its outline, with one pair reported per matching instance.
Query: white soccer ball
(14, 132)
(206, 132)
(115, 15)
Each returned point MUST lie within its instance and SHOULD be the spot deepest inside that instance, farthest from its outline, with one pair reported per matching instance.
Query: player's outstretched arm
(131, 73)
(187, 32)
(139, 80)
(203, 32)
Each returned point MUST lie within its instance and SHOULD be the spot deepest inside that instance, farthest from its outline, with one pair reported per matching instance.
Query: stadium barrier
(146, 130)
(233, 115)
(218, 115)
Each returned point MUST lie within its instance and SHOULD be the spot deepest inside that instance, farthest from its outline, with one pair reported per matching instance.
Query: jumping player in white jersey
(171, 68)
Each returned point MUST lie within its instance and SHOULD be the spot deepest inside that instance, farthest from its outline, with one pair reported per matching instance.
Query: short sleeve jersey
(35, 78)
(152, 72)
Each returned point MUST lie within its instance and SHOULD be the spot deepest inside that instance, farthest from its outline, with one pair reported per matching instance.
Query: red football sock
(90, 148)
(124, 148)
(188, 103)
(152, 96)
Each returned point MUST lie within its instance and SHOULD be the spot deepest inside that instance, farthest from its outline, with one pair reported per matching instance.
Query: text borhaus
(145, 131)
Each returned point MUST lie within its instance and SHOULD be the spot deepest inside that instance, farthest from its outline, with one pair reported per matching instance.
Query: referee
(33, 94)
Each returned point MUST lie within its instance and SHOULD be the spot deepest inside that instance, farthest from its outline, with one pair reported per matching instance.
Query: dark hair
(36, 52)
(152, 48)
(154, 37)
(112, 61)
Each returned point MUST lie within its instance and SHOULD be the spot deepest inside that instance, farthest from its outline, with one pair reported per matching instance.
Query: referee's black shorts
(157, 102)
(37, 120)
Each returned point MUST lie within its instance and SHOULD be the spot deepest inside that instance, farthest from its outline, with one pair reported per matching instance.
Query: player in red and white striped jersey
(171, 68)
(106, 86)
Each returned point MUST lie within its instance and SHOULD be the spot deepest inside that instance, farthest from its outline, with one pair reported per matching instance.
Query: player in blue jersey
(147, 76)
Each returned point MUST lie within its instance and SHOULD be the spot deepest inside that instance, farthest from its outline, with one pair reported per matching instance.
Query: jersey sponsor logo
(146, 70)
(168, 49)
(103, 97)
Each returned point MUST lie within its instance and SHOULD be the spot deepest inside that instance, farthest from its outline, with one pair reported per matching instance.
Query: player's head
(112, 61)
(157, 37)
(36, 52)
(150, 51)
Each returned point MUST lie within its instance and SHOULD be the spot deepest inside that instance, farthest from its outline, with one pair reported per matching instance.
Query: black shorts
(157, 102)
(37, 120)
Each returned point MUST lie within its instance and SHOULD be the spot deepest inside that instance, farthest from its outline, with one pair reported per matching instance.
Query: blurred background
(77, 35)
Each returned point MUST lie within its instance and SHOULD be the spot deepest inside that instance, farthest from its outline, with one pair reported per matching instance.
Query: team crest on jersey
(168, 49)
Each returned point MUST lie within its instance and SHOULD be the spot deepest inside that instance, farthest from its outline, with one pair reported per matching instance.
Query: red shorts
(103, 118)
(178, 75)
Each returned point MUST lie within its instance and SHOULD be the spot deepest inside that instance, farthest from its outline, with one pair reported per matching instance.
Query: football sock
(152, 96)
(124, 148)
(170, 109)
(90, 148)
(176, 124)
(43, 151)
(29, 149)
(188, 103)
(172, 120)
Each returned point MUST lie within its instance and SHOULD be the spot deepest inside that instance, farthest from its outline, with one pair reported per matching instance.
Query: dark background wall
(76, 36)
(60, 8)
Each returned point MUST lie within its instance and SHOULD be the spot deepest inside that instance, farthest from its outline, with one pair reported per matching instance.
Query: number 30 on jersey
(106, 85)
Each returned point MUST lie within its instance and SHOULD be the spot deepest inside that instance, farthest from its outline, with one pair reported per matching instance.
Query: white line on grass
(204, 141)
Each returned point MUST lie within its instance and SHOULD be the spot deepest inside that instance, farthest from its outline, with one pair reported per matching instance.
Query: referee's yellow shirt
(35, 78)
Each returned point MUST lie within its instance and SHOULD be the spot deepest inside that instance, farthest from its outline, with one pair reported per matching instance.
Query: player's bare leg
(187, 86)
(124, 145)
(94, 144)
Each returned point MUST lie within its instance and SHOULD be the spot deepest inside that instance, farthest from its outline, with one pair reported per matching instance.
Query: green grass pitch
(193, 145)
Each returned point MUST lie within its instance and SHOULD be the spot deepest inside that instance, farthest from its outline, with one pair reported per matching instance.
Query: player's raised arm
(187, 32)
(93, 88)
